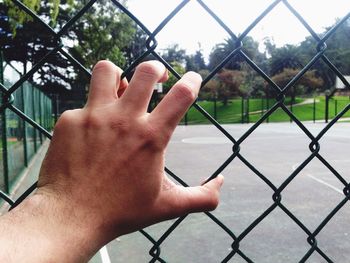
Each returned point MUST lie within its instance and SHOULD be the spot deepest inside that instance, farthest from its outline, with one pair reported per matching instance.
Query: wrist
(42, 221)
(72, 229)
(78, 215)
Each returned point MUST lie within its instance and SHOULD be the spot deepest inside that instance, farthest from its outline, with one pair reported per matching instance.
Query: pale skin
(103, 175)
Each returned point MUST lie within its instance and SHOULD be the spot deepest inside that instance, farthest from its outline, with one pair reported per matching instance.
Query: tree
(26, 33)
(28, 38)
(337, 51)
(137, 47)
(195, 62)
(253, 84)
(223, 50)
(102, 33)
(174, 54)
(286, 57)
(210, 90)
(308, 83)
(19, 17)
(229, 84)
(5, 28)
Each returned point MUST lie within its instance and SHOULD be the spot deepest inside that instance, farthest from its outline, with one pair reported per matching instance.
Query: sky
(193, 25)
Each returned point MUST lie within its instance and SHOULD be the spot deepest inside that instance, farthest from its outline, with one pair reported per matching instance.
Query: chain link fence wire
(35, 125)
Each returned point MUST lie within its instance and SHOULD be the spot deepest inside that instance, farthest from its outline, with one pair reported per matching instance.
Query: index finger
(175, 104)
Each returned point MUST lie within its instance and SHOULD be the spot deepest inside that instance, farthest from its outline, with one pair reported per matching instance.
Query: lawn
(304, 109)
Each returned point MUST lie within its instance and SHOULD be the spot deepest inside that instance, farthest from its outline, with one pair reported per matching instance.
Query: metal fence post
(1, 68)
(242, 110)
(34, 130)
(335, 107)
(291, 108)
(4, 131)
(56, 107)
(25, 146)
(4, 147)
(40, 100)
(326, 112)
(247, 110)
(48, 115)
(215, 109)
(267, 108)
(314, 110)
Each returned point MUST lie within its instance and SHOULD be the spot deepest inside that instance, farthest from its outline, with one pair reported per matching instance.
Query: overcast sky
(193, 24)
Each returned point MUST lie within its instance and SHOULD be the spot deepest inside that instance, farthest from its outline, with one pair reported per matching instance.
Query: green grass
(232, 112)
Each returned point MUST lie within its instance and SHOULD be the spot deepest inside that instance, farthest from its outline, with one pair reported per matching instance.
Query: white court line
(326, 184)
(319, 180)
(104, 255)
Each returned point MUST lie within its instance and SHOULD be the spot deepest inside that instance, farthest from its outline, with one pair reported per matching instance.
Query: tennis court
(275, 150)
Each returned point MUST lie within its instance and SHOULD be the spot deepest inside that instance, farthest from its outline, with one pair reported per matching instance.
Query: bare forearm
(34, 232)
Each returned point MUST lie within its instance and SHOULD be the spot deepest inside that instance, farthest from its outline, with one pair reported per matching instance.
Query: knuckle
(150, 138)
(67, 118)
(185, 93)
(91, 120)
(147, 71)
(87, 119)
(103, 65)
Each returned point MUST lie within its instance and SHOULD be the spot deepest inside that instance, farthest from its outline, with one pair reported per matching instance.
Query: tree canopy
(282, 64)
(103, 32)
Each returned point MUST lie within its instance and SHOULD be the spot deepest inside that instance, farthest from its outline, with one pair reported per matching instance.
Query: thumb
(196, 199)
(205, 197)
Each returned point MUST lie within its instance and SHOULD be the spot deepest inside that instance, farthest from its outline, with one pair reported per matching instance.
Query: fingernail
(165, 76)
(219, 177)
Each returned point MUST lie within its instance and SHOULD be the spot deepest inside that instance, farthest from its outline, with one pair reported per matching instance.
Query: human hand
(103, 174)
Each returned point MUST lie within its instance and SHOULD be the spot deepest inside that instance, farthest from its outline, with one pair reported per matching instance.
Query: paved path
(305, 102)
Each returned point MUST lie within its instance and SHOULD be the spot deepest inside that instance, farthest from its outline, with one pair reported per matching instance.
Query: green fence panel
(37, 113)
(28, 110)
(15, 139)
(2, 172)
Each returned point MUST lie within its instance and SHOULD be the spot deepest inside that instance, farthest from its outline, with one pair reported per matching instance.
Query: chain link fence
(34, 127)
(20, 141)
